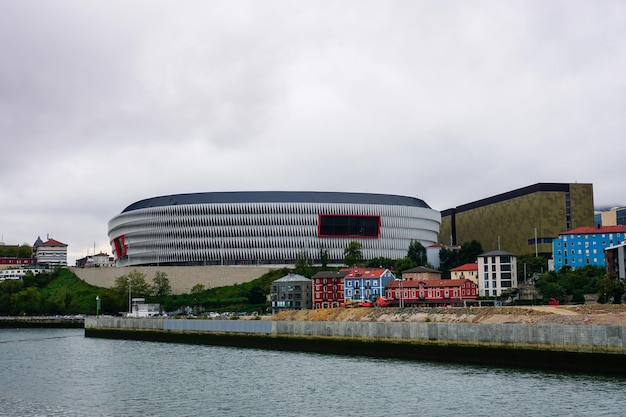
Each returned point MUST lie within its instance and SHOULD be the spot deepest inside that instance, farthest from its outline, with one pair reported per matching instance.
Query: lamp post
(401, 300)
(97, 305)
(130, 309)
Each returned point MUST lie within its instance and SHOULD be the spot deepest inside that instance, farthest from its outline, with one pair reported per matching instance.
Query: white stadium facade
(268, 227)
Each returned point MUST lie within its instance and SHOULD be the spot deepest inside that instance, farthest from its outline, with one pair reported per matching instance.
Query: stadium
(268, 227)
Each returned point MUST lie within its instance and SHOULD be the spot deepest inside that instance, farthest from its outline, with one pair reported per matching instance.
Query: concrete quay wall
(610, 339)
(182, 278)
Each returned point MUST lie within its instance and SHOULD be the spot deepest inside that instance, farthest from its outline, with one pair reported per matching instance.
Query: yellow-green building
(522, 221)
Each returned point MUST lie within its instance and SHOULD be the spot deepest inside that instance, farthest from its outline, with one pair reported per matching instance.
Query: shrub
(578, 297)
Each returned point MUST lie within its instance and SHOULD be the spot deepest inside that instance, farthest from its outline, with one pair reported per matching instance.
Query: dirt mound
(580, 314)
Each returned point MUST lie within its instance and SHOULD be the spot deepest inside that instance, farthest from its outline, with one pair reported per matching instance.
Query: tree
(24, 251)
(303, 264)
(448, 259)
(352, 254)
(27, 301)
(137, 281)
(380, 263)
(469, 252)
(404, 264)
(256, 295)
(553, 290)
(417, 253)
(610, 289)
(531, 265)
(161, 285)
(324, 258)
(197, 289)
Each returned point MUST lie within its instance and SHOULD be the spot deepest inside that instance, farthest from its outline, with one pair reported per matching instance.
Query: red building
(439, 292)
(11, 262)
(328, 289)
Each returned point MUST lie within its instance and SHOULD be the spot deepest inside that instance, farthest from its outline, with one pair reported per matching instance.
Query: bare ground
(575, 314)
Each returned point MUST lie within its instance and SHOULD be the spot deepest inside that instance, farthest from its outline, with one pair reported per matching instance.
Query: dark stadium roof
(276, 197)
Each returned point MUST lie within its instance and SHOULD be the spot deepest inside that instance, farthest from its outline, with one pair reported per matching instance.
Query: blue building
(366, 284)
(585, 245)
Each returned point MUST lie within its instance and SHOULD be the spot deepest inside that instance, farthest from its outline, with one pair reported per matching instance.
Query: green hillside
(63, 293)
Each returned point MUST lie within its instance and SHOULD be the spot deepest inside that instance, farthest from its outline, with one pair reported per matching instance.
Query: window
(348, 225)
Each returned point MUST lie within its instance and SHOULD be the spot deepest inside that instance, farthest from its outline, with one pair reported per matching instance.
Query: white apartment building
(51, 252)
(497, 271)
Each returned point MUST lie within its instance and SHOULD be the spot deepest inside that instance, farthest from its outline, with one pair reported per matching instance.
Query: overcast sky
(104, 103)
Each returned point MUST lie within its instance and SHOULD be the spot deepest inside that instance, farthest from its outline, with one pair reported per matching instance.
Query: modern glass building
(268, 228)
(525, 221)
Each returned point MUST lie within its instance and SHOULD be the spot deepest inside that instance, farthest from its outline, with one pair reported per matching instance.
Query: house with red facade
(439, 292)
(328, 289)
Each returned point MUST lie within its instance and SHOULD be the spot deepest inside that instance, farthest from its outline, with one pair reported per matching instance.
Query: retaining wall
(592, 348)
(182, 278)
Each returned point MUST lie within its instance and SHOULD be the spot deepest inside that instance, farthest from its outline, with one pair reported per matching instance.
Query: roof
(441, 283)
(330, 274)
(472, 266)
(364, 272)
(442, 246)
(276, 197)
(293, 278)
(496, 253)
(520, 192)
(52, 242)
(423, 269)
(589, 230)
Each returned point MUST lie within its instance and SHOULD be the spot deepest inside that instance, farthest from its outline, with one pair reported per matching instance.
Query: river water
(59, 372)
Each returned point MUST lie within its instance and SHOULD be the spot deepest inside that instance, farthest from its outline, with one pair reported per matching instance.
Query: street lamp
(401, 304)
(130, 308)
(97, 305)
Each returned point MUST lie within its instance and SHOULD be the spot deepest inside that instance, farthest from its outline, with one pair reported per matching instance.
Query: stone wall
(182, 278)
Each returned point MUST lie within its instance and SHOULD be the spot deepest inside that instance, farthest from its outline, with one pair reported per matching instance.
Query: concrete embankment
(41, 322)
(182, 278)
(588, 348)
